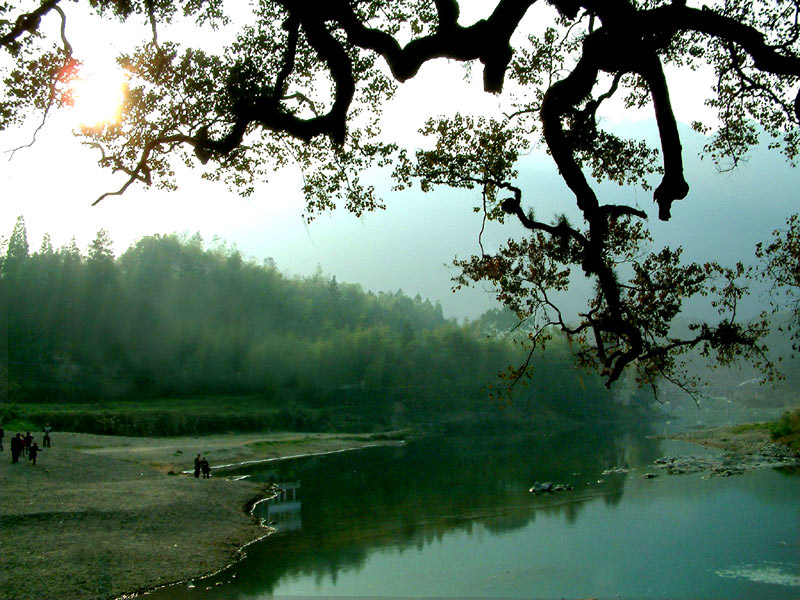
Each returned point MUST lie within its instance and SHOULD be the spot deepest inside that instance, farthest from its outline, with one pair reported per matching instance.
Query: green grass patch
(271, 443)
(262, 445)
(20, 425)
(787, 429)
(166, 417)
(375, 437)
(751, 427)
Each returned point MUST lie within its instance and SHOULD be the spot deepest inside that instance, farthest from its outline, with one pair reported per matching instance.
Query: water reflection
(283, 512)
(451, 516)
(402, 498)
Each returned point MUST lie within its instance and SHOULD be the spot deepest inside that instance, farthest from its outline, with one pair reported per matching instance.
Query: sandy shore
(100, 516)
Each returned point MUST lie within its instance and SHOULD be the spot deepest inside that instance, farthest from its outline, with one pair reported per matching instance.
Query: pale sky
(406, 247)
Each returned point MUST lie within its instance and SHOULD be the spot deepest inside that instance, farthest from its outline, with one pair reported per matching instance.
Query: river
(451, 516)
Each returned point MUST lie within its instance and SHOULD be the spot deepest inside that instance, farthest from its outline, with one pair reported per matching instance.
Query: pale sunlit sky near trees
(406, 247)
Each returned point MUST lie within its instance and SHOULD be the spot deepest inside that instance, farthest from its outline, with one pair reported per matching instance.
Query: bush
(787, 428)
(20, 425)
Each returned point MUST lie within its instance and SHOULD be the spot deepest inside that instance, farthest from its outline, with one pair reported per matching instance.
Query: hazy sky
(408, 246)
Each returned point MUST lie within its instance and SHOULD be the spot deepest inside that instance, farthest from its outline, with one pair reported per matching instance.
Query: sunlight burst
(97, 96)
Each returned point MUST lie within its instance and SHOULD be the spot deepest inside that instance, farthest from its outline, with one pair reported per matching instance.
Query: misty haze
(410, 299)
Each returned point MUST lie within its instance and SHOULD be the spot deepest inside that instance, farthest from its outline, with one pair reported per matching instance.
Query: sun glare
(97, 96)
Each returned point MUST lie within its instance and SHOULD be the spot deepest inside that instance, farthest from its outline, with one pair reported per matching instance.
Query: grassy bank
(209, 415)
(785, 430)
(181, 416)
(750, 437)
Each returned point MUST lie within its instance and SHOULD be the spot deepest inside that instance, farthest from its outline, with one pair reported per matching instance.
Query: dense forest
(173, 319)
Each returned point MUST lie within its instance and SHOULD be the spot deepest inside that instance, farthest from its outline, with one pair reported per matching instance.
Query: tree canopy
(171, 318)
(305, 82)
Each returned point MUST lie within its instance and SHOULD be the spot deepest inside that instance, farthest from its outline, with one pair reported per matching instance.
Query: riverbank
(749, 438)
(734, 440)
(744, 447)
(102, 516)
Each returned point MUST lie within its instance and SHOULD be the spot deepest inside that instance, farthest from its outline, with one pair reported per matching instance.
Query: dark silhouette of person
(46, 439)
(16, 447)
(2, 433)
(197, 466)
(28, 441)
(206, 468)
(32, 452)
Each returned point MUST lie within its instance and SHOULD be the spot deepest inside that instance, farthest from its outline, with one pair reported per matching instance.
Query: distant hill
(170, 318)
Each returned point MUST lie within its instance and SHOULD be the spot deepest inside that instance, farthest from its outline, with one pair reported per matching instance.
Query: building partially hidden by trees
(305, 81)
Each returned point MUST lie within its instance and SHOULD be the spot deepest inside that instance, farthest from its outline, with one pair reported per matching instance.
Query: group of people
(201, 465)
(26, 446)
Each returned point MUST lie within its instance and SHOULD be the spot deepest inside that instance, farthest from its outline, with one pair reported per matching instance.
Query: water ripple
(768, 572)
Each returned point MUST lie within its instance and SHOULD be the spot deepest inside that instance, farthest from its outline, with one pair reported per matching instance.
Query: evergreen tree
(47, 245)
(17, 252)
(100, 250)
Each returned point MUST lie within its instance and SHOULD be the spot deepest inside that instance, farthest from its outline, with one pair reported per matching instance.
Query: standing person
(2, 433)
(206, 468)
(46, 439)
(197, 466)
(32, 452)
(28, 441)
(16, 447)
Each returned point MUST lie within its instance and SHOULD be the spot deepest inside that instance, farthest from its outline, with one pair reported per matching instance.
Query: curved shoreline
(99, 517)
(247, 463)
(240, 555)
(250, 509)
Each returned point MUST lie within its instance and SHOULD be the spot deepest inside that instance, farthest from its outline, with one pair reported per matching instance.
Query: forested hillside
(172, 319)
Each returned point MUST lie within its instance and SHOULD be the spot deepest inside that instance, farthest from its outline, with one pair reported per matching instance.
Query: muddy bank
(100, 516)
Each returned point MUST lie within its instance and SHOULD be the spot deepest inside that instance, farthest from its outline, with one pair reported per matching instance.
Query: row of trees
(172, 318)
(305, 83)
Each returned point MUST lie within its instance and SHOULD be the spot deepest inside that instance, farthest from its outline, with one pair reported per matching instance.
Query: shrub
(787, 428)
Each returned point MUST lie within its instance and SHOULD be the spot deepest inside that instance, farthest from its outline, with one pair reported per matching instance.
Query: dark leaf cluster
(305, 83)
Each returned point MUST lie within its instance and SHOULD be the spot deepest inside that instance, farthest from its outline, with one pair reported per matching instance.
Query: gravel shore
(99, 516)
(743, 450)
(725, 438)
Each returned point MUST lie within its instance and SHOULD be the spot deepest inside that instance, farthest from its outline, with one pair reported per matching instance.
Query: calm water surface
(452, 517)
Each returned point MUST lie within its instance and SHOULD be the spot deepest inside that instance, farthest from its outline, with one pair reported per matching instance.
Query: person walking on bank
(32, 452)
(46, 439)
(28, 441)
(197, 466)
(16, 447)
(206, 468)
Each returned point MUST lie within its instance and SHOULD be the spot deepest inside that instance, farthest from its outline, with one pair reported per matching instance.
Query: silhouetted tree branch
(305, 82)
